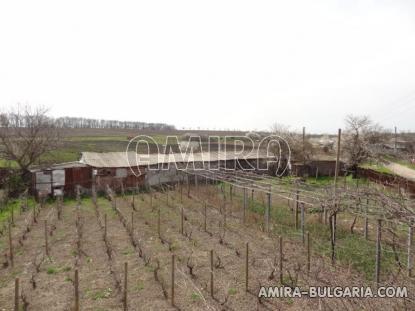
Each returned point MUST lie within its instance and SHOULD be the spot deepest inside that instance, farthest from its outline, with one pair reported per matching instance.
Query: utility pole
(396, 138)
(303, 151)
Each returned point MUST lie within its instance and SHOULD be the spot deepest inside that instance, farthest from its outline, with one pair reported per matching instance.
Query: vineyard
(205, 245)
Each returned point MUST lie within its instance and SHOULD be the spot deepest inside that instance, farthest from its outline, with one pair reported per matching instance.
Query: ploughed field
(206, 234)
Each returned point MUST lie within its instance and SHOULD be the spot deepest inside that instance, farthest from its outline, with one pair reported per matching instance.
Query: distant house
(401, 145)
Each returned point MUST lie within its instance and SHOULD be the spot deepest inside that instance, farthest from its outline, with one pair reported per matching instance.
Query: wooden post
(132, 222)
(308, 252)
(410, 237)
(303, 172)
(302, 222)
(12, 215)
(332, 220)
(11, 246)
(378, 251)
(281, 259)
(181, 191)
(297, 198)
(334, 216)
(182, 221)
(244, 211)
(211, 272)
(76, 290)
(268, 212)
(230, 192)
(151, 199)
(366, 226)
(46, 239)
(125, 286)
(105, 227)
(16, 294)
(158, 222)
(34, 214)
(172, 280)
(205, 216)
(246, 267)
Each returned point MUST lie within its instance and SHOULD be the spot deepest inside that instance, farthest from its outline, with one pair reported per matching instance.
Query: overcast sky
(212, 64)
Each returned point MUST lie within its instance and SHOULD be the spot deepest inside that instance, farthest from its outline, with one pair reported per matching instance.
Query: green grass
(232, 291)
(380, 168)
(99, 294)
(6, 209)
(139, 286)
(8, 163)
(351, 249)
(195, 297)
(52, 270)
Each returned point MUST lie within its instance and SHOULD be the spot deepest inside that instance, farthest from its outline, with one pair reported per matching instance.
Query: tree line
(76, 122)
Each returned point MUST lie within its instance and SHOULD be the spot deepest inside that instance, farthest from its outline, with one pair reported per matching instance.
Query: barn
(129, 170)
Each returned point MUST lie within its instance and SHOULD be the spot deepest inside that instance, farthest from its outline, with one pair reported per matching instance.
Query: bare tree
(360, 138)
(300, 150)
(26, 134)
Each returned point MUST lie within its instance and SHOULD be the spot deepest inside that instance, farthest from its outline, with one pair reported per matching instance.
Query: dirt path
(143, 291)
(401, 170)
(97, 286)
(57, 268)
(24, 256)
(189, 294)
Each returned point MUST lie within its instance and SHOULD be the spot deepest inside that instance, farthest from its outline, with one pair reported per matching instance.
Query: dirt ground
(146, 235)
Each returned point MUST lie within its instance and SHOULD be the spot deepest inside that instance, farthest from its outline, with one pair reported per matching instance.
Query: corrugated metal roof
(126, 159)
(58, 166)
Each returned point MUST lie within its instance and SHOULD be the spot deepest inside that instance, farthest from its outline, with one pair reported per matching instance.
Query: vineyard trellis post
(280, 258)
(125, 286)
(246, 267)
(366, 225)
(105, 227)
(302, 222)
(46, 238)
(172, 279)
(205, 216)
(76, 285)
(11, 246)
(132, 222)
(378, 251)
(297, 198)
(244, 211)
(334, 214)
(181, 189)
(211, 273)
(308, 252)
(16, 294)
(268, 212)
(182, 220)
(158, 223)
(410, 238)
(188, 186)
